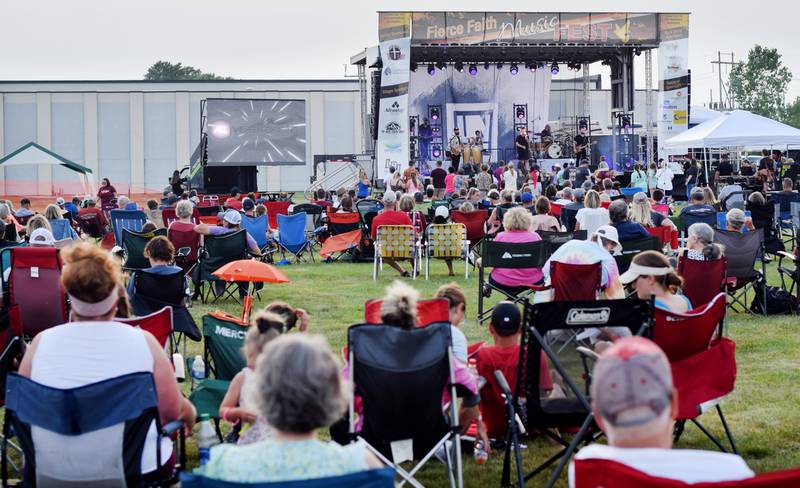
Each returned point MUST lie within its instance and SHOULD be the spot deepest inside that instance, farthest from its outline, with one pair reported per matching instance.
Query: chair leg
(727, 430)
(677, 431)
(710, 436)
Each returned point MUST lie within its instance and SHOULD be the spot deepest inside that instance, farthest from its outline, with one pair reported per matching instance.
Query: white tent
(698, 115)
(739, 128)
(32, 154)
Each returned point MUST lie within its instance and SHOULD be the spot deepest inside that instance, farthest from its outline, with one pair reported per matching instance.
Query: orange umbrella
(250, 271)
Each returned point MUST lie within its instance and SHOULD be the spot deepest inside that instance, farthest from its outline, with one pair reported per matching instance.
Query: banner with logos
(392, 149)
(674, 78)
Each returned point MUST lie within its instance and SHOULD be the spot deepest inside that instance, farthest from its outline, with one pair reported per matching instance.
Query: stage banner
(482, 102)
(674, 82)
(392, 147)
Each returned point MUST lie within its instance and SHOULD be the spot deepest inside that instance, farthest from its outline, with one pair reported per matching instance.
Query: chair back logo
(508, 255)
(578, 316)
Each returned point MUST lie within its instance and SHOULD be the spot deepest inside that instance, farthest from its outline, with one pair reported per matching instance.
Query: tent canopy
(739, 128)
(32, 153)
(698, 115)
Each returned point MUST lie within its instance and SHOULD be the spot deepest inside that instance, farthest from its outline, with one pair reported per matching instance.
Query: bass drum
(554, 150)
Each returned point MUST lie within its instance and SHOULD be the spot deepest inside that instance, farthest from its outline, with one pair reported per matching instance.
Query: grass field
(762, 411)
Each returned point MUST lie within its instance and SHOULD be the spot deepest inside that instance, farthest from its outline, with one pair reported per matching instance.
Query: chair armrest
(784, 254)
(587, 353)
(171, 427)
(540, 287)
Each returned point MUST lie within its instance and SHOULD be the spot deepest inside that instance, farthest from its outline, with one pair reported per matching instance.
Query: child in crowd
(237, 406)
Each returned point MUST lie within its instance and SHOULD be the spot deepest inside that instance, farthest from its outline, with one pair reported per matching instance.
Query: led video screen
(256, 132)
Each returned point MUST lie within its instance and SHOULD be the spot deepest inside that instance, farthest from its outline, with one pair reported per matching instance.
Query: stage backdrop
(484, 101)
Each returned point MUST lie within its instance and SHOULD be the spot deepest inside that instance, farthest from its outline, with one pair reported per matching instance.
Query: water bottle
(473, 368)
(206, 438)
(198, 370)
(480, 454)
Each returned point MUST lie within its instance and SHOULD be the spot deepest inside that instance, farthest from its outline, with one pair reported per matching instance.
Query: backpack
(779, 301)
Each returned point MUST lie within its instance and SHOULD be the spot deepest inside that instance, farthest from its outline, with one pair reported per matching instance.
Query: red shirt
(93, 210)
(492, 406)
(233, 203)
(389, 217)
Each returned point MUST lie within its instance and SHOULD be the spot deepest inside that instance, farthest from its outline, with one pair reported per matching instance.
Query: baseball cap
(442, 211)
(389, 197)
(172, 200)
(526, 197)
(639, 196)
(506, 317)
(632, 382)
(42, 237)
(232, 217)
(60, 201)
(248, 204)
(610, 233)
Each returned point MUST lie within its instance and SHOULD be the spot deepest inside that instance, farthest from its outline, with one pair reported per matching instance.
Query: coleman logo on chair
(508, 255)
(588, 315)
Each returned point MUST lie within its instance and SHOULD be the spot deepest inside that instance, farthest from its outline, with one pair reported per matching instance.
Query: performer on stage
(581, 143)
(456, 147)
(523, 146)
(425, 135)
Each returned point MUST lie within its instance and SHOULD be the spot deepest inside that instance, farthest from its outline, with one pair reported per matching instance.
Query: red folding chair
(661, 208)
(555, 210)
(157, 323)
(34, 284)
(702, 280)
(428, 311)
(667, 236)
(474, 221)
(703, 362)
(168, 216)
(605, 204)
(185, 238)
(573, 282)
(275, 208)
(602, 473)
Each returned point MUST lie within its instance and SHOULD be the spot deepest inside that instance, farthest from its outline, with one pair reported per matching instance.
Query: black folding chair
(217, 251)
(507, 255)
(400, 374)
(742, 251)
(568, 218)
(556, 239)
(542, 323)
(634, 247)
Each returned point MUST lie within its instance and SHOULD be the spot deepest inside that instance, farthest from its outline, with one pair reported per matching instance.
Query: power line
(725, 98)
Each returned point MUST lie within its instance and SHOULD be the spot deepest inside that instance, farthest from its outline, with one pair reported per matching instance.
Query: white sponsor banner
(392, 148)
(674, 82)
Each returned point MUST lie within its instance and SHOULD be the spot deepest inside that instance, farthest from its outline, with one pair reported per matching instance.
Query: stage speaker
(220, 179)
(375, 103)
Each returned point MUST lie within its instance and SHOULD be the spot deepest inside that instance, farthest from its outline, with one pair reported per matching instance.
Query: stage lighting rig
(473, 69)
(486, 65)
(435, 113)
(459, 66)
(431, 69)
(554, 68)
(514, 70)
(413, 66)
(441, 65)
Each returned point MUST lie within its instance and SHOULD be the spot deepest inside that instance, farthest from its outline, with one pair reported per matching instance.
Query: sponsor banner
(392, 149)
(674, 79)
(393, 25)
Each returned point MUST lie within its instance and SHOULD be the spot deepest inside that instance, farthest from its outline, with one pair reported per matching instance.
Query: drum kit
(559, 144)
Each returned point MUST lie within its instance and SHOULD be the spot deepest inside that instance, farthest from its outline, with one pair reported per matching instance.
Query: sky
(313, 39)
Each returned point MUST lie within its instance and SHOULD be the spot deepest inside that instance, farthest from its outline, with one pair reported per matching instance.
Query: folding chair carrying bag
(373, 478)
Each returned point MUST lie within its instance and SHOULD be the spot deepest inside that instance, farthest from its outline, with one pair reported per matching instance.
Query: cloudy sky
(102, 39)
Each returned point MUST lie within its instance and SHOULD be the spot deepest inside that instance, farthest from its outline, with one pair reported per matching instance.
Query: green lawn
(762, 411)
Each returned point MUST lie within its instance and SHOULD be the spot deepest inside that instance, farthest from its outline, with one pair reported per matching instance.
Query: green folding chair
(133, 244)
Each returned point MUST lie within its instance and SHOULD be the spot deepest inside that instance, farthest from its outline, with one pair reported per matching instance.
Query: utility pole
(725, 97)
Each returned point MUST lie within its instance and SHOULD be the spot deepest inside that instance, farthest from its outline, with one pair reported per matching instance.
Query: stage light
(437, 151)
(441, 65)
(413, 66)
(532, 67)
(431, 69)
(459, 66)
(486, 65)
(554, 69)
(473, 70)
(540, 66)
(626, 122)
(434, 113)
(220, 130)
(499, 65)
(520, 112)
(514, 70)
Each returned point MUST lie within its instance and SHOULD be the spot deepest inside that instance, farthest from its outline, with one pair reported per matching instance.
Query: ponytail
(671, 281)
(712, 251)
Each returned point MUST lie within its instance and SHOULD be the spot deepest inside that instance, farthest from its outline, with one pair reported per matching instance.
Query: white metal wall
(137, 133)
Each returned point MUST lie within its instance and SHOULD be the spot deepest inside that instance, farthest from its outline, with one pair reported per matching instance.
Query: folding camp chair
(741, 251)
(208, 209)
(790, 274)
(507, 255)
(133, 244)
(666, 235)
(371, 478)
(702, 280)
(12, 348)
(573, 282)
(219, 250)
(257, 228)
(555, 210)
(292, 236)
(168, 216)
(400, 375)
(428, 311)
(274, 209)
(634, 247)
(34, 284)
(126, 219)
(540, 322)
(185, 238)
(661, 208)
(93, 435)
(556, 239)
(446, 241)
(568, 217)
(158, 323)
(339, 223)
(474, 221)
(367, 209)
(153, 292)
(398, 243)
(702, 360)
(223, 338)
(62, 229)
(688, 218)
(91, 225)
(722, 221)
(596, 473)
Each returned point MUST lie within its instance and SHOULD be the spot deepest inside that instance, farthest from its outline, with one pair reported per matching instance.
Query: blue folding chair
(127, 219)
(371, 478)
(722, 223)
(257, 227)
(72, 209)
(292, 236)
(92, 435)
(62, 229)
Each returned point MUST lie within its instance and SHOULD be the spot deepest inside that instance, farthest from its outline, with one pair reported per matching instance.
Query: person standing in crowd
(438, 175)
(411, 178)
(483, 180)
(635, 404)
(724, 168)
(176, 183)
(510, 178)
(362, 184)
(638, 177)
(664, 177)
(396, 182)
(583, 173)
(106, 194)
(652, 180)
(450, 182)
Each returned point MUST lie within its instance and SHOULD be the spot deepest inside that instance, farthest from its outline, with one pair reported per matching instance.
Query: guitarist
(581, 143)
(456, 147)
(523, 146)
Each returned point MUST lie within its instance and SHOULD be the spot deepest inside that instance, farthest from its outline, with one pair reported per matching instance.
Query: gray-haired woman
(298, 389)
(700, 244)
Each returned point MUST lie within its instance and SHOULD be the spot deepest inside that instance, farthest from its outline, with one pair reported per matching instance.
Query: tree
(791, 114)
(760, 83)
(166, 71)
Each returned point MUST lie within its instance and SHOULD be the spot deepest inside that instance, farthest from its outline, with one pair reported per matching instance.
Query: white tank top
(80, 353)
